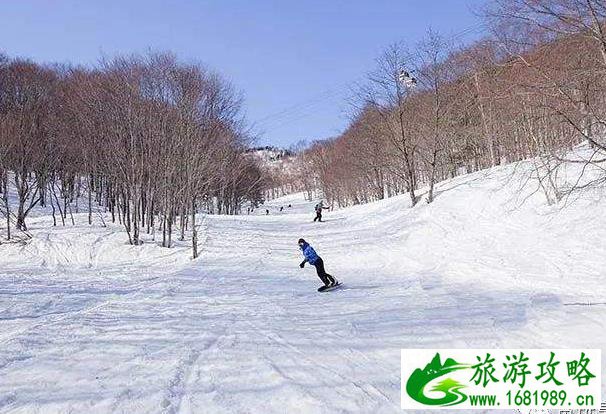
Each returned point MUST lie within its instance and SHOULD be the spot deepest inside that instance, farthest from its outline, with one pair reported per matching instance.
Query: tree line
(145, 138)
(533, 87)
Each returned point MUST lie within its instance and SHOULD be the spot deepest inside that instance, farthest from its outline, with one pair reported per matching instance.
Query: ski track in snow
(90, 324)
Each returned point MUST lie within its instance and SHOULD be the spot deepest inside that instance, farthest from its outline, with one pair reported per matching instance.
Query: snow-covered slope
(273, 159)
(89, 324)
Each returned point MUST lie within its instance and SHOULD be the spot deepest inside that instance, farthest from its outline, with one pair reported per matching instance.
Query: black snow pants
(324, 277)
(318, 216)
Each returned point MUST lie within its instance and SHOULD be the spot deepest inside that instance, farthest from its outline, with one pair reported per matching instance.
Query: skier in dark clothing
(319, 207)
(312, 258)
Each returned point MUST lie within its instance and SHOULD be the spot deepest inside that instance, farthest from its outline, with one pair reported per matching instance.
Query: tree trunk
(8, 211)
(194, 236)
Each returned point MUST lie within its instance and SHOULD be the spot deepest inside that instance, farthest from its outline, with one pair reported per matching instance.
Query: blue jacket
(310, 254)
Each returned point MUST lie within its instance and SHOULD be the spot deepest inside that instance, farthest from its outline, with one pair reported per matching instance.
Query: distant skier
(319, 207)
(312, 258)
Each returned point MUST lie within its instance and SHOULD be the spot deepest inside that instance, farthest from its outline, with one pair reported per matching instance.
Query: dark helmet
(301, 241)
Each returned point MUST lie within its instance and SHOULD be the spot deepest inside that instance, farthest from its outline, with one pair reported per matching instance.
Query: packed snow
(91, 324)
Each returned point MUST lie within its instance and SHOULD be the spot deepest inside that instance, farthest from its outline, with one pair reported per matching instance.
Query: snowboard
(326, 289)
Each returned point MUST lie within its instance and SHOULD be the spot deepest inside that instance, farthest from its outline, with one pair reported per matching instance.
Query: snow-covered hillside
(272, 158)
(90, 324)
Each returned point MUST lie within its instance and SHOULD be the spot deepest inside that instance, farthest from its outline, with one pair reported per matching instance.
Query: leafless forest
(146, 138)
(535, 86)
(154, 141)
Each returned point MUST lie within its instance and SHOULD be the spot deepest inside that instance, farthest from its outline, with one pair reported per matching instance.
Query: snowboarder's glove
(302, 265)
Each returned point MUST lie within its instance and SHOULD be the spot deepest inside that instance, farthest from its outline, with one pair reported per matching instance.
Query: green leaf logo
(419, 379)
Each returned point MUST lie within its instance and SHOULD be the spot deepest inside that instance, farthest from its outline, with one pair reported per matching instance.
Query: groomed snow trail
(89, 324)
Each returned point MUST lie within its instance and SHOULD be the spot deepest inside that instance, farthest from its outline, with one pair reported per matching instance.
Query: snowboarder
(313, 259)
(319, 207)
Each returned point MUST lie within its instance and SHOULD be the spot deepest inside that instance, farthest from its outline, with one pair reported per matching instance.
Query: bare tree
(390, 98)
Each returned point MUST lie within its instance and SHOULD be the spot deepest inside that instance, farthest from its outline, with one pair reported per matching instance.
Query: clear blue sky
(293, 60)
